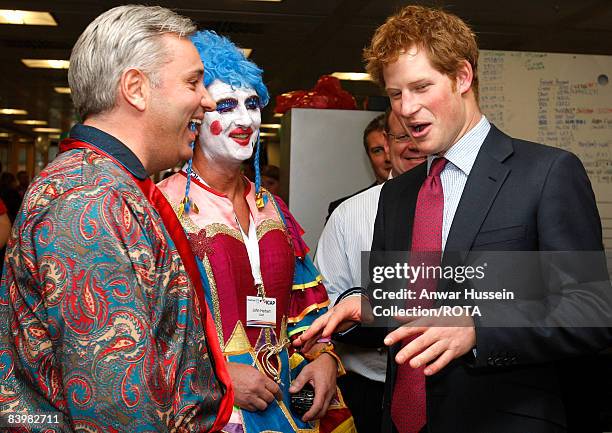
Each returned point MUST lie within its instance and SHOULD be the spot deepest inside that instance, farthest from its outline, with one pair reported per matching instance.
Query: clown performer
(259, 281)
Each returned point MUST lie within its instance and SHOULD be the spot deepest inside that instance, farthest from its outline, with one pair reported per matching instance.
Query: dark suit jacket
(520, 196)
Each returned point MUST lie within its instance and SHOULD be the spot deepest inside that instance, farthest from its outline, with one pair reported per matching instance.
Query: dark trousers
(364, 398)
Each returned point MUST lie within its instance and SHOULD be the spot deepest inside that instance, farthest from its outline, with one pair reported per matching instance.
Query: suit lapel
(486, 178)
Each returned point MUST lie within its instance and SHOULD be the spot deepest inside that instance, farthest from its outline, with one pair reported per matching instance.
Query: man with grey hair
(103, 321)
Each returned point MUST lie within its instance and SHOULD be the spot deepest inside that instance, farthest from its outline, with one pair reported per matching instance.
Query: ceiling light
(270, 125)
(14, 111)
(64, 90)
(278, 114)
(30, 122)
(4, 135)
(30, 18)
(246, 51)
(55, 130)
(25, 140)
(267, 134)
(352, 76)
(48, 64)
(54, 136)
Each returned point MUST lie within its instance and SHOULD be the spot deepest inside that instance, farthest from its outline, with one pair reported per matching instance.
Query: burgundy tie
(408, 401)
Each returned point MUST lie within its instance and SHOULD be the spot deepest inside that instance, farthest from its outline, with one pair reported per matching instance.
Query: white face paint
(230, 132)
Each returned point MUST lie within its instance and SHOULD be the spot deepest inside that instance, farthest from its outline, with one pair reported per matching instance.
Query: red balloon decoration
(327, 93)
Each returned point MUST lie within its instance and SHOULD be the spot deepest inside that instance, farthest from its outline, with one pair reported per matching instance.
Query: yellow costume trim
(185, 220)
(238, 343)
(297, 330)
(267, 226)
(347, 426)
(215, 301)
(283, 328)
(304, 286)
(216, 228)
(307, 310)
(259, 198)
(295, 360)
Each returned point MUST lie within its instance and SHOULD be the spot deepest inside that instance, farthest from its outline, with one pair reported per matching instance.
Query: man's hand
(321, 373)
(253, 389)
(440, 341)
(340, 317)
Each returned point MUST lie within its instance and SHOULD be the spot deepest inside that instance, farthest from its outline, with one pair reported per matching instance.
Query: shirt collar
(463, 153)
(110, 145)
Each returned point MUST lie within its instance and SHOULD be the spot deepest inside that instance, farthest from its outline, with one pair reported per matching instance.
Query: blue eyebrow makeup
(225, 105)
(252, 103)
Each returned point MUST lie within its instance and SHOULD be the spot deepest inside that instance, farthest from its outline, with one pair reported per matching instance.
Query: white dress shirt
(348, 232)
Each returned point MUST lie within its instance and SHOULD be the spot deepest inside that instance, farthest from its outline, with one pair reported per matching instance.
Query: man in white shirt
(347, 233)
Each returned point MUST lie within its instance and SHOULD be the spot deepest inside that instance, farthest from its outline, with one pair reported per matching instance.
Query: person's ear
(465, 75)
(386, 145)
(135, 87)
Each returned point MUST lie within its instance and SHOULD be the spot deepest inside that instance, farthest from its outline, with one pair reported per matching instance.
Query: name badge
(261, 312)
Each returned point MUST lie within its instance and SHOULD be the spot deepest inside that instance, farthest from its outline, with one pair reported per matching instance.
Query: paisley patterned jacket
(98, 318)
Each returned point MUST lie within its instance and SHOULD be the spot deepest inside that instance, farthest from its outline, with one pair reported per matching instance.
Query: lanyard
(252, 247)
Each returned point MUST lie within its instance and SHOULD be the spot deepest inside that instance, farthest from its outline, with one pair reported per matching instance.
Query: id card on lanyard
(260, 310)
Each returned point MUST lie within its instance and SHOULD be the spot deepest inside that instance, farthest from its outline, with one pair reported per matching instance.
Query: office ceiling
(294, 41)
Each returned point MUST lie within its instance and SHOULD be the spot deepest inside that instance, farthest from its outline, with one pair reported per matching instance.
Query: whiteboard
(563, 100)
(322, 159)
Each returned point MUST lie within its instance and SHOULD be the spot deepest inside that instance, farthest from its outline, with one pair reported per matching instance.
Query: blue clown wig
(223, 61)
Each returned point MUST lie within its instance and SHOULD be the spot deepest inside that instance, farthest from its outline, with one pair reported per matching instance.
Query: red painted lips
(241, 136)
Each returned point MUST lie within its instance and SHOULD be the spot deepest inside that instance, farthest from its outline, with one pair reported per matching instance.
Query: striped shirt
(461, 157)
(348, 232)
